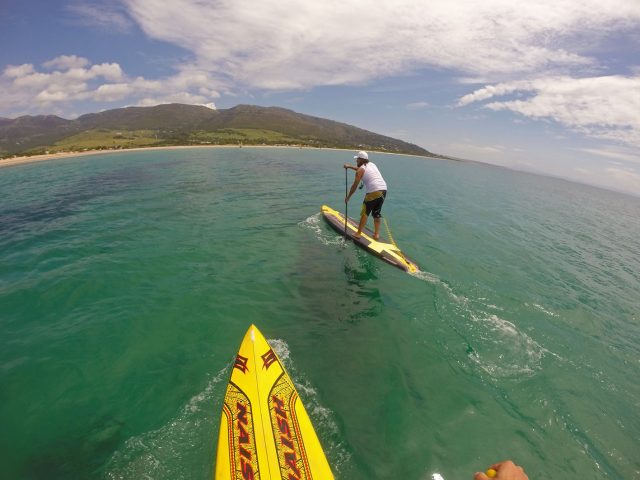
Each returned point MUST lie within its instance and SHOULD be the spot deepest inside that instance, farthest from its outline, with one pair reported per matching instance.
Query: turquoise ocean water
(128, 280)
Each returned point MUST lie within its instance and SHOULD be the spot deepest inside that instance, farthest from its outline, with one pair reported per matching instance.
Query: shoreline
(10, 162)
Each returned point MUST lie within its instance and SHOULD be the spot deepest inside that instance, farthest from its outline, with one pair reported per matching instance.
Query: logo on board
(268, 359)
(241, 363)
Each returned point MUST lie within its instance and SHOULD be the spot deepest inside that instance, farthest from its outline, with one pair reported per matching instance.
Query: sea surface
(128, 280)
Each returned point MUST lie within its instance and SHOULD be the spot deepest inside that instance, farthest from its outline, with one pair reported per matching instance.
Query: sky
(549, 86)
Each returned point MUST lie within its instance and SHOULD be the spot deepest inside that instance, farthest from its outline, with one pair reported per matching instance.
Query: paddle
(346, 204)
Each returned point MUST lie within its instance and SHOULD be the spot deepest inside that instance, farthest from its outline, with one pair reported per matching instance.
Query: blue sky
(551, 86)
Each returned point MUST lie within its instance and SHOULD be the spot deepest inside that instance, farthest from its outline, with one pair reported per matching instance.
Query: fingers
(505, 464)
(506, 470)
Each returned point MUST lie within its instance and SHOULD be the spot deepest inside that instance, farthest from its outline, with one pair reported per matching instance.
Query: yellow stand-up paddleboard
(265, 432)
(388, 252)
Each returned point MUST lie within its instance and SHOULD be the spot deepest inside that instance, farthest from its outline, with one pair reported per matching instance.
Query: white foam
(326, 237)
(543, 310)
(282, 350)
(496, 345)
(427, 277)
(175, 450)
(324, 423)
(460, 299)
(321, 416)
(503, 350)
(181, 449)
(503, 326)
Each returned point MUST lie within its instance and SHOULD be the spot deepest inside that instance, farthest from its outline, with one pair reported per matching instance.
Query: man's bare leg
(363, 222)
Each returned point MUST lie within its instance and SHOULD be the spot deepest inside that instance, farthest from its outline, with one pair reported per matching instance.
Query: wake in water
(427, 277)
(496, 345)
(543, 310)
(179, 448)
(507, 351)
(321, 417)
(184, 448)
(326, 237)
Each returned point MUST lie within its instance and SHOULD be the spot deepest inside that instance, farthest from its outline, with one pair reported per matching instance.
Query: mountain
(178, 124)
(28, 132)
(170, 116)
(312, 129)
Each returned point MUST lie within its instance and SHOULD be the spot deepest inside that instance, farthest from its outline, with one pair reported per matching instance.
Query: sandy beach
(9, 162)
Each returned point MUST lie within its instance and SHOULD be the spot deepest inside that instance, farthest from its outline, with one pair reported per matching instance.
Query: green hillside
(101, 139)
(178, 124)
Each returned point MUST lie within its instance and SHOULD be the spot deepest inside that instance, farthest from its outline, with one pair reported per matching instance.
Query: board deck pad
(265, 432)
(386, 251)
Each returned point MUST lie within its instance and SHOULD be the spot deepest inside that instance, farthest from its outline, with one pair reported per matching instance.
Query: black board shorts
(373, 207)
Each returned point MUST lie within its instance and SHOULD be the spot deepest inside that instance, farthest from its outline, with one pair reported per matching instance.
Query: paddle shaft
(346, 203)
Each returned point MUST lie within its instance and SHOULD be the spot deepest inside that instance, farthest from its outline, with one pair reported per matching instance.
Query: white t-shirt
(372, 179)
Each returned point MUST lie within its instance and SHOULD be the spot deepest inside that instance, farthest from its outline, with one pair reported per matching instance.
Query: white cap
(362, 154)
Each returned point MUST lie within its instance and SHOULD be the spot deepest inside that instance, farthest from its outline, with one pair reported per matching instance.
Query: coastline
(10, 162)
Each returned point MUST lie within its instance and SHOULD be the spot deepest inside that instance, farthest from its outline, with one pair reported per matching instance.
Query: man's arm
(354, 187)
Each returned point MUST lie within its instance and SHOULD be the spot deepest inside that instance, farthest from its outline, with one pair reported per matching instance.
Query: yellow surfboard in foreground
(265, 432)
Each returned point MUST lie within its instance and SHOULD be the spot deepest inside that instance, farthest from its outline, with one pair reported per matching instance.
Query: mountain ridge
(181, 124)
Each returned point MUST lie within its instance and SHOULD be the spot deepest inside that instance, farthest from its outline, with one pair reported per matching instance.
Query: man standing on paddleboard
(376, 191)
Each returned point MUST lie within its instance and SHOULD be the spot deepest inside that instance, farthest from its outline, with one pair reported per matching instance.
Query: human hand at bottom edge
(506, 470)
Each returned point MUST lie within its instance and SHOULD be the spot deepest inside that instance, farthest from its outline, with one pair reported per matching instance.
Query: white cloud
(288, 44)
(491, 91)
(612, 152)
(50, 96)
(18, 71)
(65, 62)
(107, 15)
(604, 107)
(181, 97)
(109, 71)
(69, 78)
(111, 92)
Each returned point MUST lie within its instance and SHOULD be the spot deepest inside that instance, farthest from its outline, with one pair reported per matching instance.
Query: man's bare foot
(356, 236)
(376, 237)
